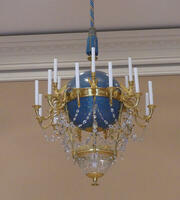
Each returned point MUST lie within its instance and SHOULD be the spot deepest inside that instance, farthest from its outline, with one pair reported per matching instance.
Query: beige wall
(32, 169)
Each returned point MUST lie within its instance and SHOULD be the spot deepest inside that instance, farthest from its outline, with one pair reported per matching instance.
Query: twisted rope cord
(92, 13)
(92, 40)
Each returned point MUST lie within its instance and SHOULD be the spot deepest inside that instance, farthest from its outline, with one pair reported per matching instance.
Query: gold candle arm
(56, 102)
(130, 102)
(151, 111)
(41, 119)
(129, 97)
(145, 118)
(128, 91)
(55, 90)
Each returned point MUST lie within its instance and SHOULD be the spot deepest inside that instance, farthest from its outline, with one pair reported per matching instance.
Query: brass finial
(95, 183)
(95, 176)
(93, 81)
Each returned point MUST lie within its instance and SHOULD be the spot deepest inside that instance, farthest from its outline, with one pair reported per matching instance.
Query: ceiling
(33, 169)
(51, 16)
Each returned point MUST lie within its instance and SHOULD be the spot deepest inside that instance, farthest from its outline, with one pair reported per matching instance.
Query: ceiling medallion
(93, 116)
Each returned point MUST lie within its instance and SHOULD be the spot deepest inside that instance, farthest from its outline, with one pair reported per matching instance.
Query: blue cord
(92, 13)
(92, 40)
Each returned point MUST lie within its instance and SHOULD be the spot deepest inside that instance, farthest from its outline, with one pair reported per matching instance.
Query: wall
(31, 168)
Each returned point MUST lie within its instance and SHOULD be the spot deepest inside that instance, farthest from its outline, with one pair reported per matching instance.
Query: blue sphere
(83, 116)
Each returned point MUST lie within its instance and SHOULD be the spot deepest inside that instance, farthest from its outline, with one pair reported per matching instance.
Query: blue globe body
(106, 114)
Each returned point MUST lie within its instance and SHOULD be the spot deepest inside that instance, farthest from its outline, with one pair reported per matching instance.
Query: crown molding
(27, 57)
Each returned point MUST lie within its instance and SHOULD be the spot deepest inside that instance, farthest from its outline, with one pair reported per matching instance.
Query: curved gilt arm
(129, 98)
(130, 102)
(151, 111)
(142, 121)
(129, 91)
(56, 102)
(42, 119)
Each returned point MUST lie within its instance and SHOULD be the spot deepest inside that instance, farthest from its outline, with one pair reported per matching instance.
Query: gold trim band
(86, 92)
(108, 152)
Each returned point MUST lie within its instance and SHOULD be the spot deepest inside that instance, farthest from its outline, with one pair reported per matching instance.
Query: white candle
(150, 92)
(55, 70)
(40, 103)
(126, 82)
(59, 83)
(77, 75)
(136, 78)
(130, 69)
(110, 74)
(49, 81)
(147, 104)
(36, 92)
(93, 59)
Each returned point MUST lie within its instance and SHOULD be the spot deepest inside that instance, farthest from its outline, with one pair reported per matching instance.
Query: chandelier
(93, 115)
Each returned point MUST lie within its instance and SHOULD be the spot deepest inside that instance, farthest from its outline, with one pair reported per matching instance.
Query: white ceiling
(46, 16)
